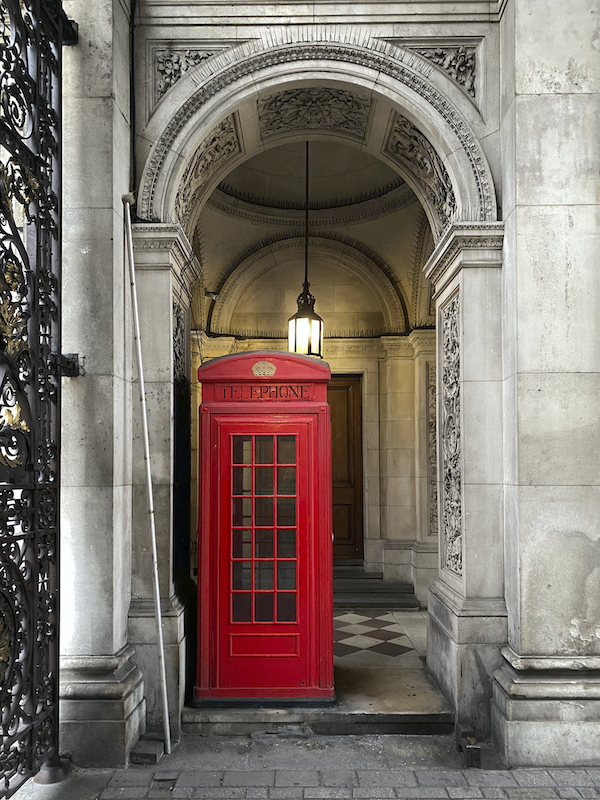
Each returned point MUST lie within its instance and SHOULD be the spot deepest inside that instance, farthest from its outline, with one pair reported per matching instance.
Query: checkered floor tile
(376, 632)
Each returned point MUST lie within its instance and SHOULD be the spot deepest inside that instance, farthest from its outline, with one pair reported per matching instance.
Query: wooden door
(344, 397)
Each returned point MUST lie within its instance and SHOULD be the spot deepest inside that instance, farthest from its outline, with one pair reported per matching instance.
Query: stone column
(546, 707)
(467, 614)
(102, 692)
(165, 267)
(424, 556)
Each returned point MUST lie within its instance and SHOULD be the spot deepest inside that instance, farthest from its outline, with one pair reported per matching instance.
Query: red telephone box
(265, 553)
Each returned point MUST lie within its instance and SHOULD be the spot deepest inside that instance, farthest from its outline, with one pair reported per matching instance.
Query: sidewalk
(279, 767)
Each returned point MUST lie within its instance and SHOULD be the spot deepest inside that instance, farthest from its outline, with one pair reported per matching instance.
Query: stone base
(464, 638)
(142, 635)
(547, 717)
(411, 562)
(102, 709)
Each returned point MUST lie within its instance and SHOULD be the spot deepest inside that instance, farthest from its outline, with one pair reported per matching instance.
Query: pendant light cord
(306, 225)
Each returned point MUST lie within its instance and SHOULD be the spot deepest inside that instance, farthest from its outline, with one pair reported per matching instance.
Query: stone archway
(392, 105)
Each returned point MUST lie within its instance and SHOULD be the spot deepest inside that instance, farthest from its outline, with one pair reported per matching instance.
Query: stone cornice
(170, 238)
(348, 214)
(482, 239)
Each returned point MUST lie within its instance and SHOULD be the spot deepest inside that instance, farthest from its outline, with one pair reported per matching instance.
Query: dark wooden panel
(344, 397)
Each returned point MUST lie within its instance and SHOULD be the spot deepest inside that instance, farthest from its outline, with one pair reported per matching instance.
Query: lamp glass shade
(305, 335)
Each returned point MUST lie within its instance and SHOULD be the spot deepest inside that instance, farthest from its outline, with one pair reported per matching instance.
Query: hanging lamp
(305, 328)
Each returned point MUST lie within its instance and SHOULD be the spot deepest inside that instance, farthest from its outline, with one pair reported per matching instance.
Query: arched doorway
(212, 147)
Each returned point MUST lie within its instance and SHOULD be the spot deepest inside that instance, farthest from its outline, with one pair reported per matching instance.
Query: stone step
(361, 585)
(353, 573)
(397, 601)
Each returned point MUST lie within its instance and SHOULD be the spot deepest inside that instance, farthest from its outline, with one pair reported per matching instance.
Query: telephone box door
(264, 556)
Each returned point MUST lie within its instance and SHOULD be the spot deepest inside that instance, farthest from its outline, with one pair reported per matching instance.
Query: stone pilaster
(102, 693)
(467, 614)
(165, 267)
(546, 706)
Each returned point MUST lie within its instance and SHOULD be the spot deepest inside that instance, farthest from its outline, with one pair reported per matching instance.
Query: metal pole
(128, 199)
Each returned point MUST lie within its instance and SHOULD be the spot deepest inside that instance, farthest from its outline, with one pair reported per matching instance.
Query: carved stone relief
(179, 344)
(259, 55)
(171, 65)
(220, 144)
(450, 439)
(458, 62)
(411, 149)
(314, 108)
(432, 494)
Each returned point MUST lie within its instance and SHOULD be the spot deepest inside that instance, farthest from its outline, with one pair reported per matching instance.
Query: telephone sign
(265, 552)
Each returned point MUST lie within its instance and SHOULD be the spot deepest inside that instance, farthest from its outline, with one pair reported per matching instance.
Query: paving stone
(198, 779)
(530, 792)
(493, 792)
(155, 794)
(131, 777)
(464, 792)
(316, 792)
(219, 793)
(285, 793)
(167, 777)
(572, 777)
(567, 793)
(489, 777)
(380, 793)
(261, 777)
(424, 792)
(339, 777)
(257, 793)
(533, 777)
(122, 792)
(440, 777)
(297, 777)
(594, 773)
(590, 791)
(388, 777)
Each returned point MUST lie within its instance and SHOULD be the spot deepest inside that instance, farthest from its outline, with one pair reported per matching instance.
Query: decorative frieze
(432, 492)
(458, 62)
(411, 149)
(219, 146)
(450, 439)
(314, 108)
(171, 65)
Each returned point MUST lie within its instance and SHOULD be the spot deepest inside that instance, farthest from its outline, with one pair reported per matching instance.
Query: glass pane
(286, 449)
(264, 511)
(263, 543)
(242, 450)
(286, 607)
(242, 480)
(286, 480)
(286, 574)
(242, 574)
(241, 607)
(263, 450)
(242, 544)
(286, 510)
(242, 511)
(263, 575)
(264, 480)
(286, 544)
(263, 607)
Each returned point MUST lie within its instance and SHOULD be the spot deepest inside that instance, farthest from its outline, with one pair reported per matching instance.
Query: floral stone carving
(299, 109)
(220, 144)
(170, 65)
(450, 439)
(458, 62)
(432, 449)
(410, 148)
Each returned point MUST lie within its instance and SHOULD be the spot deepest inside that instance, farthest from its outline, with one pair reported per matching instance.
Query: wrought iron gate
(31, 36)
